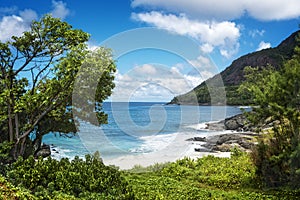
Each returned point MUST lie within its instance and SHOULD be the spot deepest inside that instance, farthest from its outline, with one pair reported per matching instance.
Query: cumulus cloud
(229, 9)
(16, 24)
(223, 35)
(160, 83)
(60, 9)
(263, 45)
(152, 82)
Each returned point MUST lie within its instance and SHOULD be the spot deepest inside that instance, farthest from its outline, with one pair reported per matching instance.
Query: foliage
(8, 191)
(205, 178)
(152, 168)
(277, 94)
(183, 179)
(37, 77)
(233, 76)
(234, 172)
(84, 179)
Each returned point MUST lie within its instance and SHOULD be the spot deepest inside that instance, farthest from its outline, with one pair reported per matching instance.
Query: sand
(178, 148)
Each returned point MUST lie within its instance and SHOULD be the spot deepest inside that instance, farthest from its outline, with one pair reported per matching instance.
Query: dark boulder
(237, 122)
(44, 151)
(197, 139)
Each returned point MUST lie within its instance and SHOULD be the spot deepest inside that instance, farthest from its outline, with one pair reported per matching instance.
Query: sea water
(138, 128)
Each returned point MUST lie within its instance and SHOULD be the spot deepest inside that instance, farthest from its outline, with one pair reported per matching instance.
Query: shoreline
(180, 148)
(217, 140)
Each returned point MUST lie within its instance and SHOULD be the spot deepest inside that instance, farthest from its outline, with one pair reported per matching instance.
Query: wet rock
(197, 139)
(202, 150)
(44, 151)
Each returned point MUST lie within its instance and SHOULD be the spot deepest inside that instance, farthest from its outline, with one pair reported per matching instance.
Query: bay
(136, 128)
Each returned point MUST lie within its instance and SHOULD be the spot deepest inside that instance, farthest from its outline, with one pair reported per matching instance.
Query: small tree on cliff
(38, 71)
(277, 97)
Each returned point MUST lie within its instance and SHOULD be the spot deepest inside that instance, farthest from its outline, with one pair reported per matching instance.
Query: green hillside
(228, 81)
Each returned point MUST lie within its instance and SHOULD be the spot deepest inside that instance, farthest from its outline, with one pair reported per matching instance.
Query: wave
(58, 153)
(201, 126)
(154, 143)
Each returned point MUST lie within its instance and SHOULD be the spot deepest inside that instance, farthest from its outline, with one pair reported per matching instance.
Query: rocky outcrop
(238, 123)
(225, 142)
(242, 137)
(44, 151)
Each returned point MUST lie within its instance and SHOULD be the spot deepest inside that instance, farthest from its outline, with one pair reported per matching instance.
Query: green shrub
(8, 191)
(78, 178)
(235, 172)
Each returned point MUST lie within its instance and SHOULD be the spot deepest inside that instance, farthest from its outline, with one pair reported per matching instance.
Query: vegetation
(205, 178)
(84, 179)
(277, 94)
(211, 91)
(8, 191)
(37, 77)
(45, 67)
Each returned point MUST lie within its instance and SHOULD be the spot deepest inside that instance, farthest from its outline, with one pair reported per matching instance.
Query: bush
(79, 178)
(235, 172)
(8, 191)
(206, 178)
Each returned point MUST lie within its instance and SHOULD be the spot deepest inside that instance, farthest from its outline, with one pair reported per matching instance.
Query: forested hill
(233, 75)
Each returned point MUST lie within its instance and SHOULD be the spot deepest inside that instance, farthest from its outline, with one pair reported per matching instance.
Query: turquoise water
(135, 128)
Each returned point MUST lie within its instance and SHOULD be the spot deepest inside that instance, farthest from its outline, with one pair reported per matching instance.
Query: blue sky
(221, 30)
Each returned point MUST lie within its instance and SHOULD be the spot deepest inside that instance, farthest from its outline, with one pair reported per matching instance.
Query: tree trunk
(10, 124)
(22, 146)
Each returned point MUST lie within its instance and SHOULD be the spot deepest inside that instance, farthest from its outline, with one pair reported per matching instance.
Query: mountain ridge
(233, 75)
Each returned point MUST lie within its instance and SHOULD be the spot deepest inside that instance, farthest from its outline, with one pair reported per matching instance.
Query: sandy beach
(178, 148)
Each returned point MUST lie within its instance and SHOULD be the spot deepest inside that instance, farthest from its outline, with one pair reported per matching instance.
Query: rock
(226, 142)
(216, 126)
(44, 151)
(237, 122)
(197, 139)
(222, 148)
(247, 145)
(226, 138)
(202, 150)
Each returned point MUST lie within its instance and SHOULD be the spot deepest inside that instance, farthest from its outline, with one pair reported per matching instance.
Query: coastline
(216, 140)
(181, 147)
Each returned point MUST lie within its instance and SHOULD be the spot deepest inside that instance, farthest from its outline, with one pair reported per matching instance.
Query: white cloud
(223, 35)
(152, 82)
(16, 24)
(203, 69)
(256, 32)
(207, 48)
(146, 69)
(60, 9)
(263, 45)
(28, 15)
(229, 9)
(155, 82)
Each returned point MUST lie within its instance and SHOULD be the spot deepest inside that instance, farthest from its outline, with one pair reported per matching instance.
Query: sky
(164, 48)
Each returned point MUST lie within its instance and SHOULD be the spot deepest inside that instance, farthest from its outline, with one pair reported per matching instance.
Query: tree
(276, 95)
(38, 71)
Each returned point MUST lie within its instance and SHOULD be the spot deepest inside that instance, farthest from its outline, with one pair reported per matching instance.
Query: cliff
(233, 75)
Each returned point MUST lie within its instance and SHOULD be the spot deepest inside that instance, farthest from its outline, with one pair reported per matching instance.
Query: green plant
(78, 178)
(276, 95)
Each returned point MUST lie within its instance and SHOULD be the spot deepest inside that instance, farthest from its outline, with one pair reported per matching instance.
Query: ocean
(136, 128)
